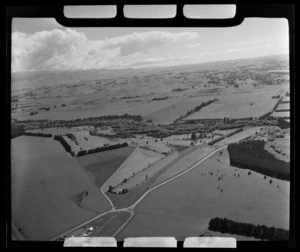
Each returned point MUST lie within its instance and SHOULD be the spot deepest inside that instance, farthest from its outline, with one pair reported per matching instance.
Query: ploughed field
(50, 192)
(184, 206)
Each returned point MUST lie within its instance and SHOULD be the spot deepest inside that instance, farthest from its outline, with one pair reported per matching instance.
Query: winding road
(130, 209)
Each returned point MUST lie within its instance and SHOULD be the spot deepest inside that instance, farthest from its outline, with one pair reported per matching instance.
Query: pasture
(285, 114)
(241, 104)
(285, 106)
(138, 161)
(50, 192)
(189, 158)
(155, 168)
(168, 114)
(183, 207)
(100, 166)
(86, 141)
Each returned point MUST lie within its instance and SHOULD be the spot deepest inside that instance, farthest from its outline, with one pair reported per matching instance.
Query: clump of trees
(38, 134)
(179, 89)
(33, 113)
(44, 108)
(246, 229)
(251, 155)
(72, 138)
(193, 136)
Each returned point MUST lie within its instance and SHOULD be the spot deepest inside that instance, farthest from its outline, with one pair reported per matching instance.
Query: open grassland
(242, 104)
(50, 192)
(149, 172)
(100, 166)
(184, 207)
(190, 158)
(138, 161)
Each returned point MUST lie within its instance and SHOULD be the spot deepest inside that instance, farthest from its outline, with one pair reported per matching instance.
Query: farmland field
(85, 141)
(168, 114)
(100, 166)
(50, 192)
(285, 106)
(139, 160)
(151, 171)
(247, 198)
(238, 105)
(281, 114)
(184, 163)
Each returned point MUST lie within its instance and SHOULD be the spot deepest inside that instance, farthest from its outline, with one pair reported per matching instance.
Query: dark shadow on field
(100, 166)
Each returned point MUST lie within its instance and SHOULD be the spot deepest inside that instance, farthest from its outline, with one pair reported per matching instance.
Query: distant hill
(29, 79)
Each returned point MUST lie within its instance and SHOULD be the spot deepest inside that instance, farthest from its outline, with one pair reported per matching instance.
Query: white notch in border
(209, 11)
(90, 11)
(209, 242)
(159, 242)
(150, 11)
(90, 242)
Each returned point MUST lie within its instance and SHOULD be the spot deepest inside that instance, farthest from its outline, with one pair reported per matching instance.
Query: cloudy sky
(44, 44)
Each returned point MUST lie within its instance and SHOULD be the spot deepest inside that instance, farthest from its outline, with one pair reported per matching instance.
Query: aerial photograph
(150, 132)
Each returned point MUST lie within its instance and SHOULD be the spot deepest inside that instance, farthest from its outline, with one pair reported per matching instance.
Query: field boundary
(102, 187)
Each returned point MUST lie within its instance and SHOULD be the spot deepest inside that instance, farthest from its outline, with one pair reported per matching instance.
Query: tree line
(100, 149)
(64, 143)
(246, 229)
(195, 109)
(251, 155)
(38, 134)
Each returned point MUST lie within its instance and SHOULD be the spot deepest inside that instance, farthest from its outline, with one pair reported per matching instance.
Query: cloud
(147, 41)
(151, 61)
(194, 45)
(70, 49)
(238, 50)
